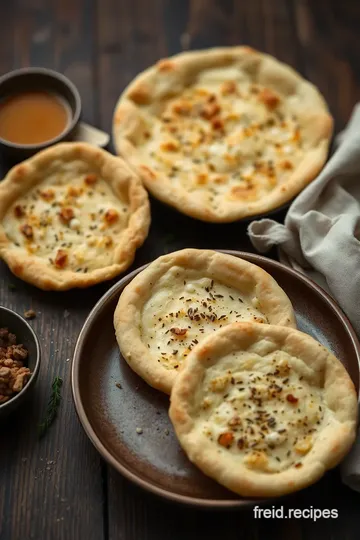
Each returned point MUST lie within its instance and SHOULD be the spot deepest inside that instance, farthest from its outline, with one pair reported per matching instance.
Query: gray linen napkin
(322, 234)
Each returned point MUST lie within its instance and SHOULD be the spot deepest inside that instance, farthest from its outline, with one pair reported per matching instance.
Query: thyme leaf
(52, 408)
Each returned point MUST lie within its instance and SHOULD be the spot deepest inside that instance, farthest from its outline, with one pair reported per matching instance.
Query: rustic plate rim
(147, 485)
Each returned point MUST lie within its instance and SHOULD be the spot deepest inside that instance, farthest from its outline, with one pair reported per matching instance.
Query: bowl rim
(23, 72)
(186, 500)
(36, 369)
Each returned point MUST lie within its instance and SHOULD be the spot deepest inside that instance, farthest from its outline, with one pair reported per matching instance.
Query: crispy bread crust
(116, 173)
(335, 435)
(230, 270)
(170, 77)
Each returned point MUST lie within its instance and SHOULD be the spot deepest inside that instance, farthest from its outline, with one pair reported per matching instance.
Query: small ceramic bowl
(25, 335)
(39, 79)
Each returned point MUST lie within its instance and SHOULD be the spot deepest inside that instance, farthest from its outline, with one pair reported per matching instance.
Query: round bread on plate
(169, 307)
(264, 410)
(223, 134)
(71, 216)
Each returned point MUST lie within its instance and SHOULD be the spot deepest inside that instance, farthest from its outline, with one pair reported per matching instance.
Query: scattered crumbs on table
(118, 385)
(29, 314)
(166, 432)
(12, 287)
(139, 430)
(158, 412)
(68, 360)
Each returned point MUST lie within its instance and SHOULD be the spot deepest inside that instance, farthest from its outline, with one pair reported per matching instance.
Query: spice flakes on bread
(264, 410)
(71, 216)
(224, 133)
(169, 307)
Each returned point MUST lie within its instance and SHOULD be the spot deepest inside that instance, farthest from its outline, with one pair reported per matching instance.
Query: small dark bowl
(38, 79)
(25, 335)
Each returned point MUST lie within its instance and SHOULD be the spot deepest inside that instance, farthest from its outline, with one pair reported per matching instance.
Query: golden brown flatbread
(223, 134)
(169, 307)
(264, 410)
(71, 216)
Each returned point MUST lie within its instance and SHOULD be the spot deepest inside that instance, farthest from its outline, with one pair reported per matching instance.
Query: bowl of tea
(38, 107)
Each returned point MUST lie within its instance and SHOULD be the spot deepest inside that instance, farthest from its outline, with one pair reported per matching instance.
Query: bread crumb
(29, 314)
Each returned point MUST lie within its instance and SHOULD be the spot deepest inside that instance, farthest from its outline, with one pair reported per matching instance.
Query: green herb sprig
(53, 406)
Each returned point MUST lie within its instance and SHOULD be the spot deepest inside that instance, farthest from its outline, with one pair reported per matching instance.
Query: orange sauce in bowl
(33, 117)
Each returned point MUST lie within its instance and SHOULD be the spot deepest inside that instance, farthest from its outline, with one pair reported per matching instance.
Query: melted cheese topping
(70, 220)
(184, 307)
(265, 411)
(234, 139)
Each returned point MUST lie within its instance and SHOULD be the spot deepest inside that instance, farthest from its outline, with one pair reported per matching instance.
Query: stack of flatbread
(256, 404)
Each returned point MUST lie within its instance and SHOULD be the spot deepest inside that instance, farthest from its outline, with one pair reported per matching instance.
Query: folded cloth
(322, 232)
(322, 226)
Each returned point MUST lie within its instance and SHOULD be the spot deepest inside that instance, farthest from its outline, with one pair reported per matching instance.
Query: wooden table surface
(59, 488)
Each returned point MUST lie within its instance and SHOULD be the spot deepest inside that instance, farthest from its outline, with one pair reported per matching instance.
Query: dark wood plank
(209, 23)
(144, 517)
(129, 39)
(53, 488)
(75, 50)
(6, 50)
(33, 35)
(328, 32)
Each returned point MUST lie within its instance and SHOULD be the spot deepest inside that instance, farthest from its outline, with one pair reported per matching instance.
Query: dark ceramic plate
(111, 415)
